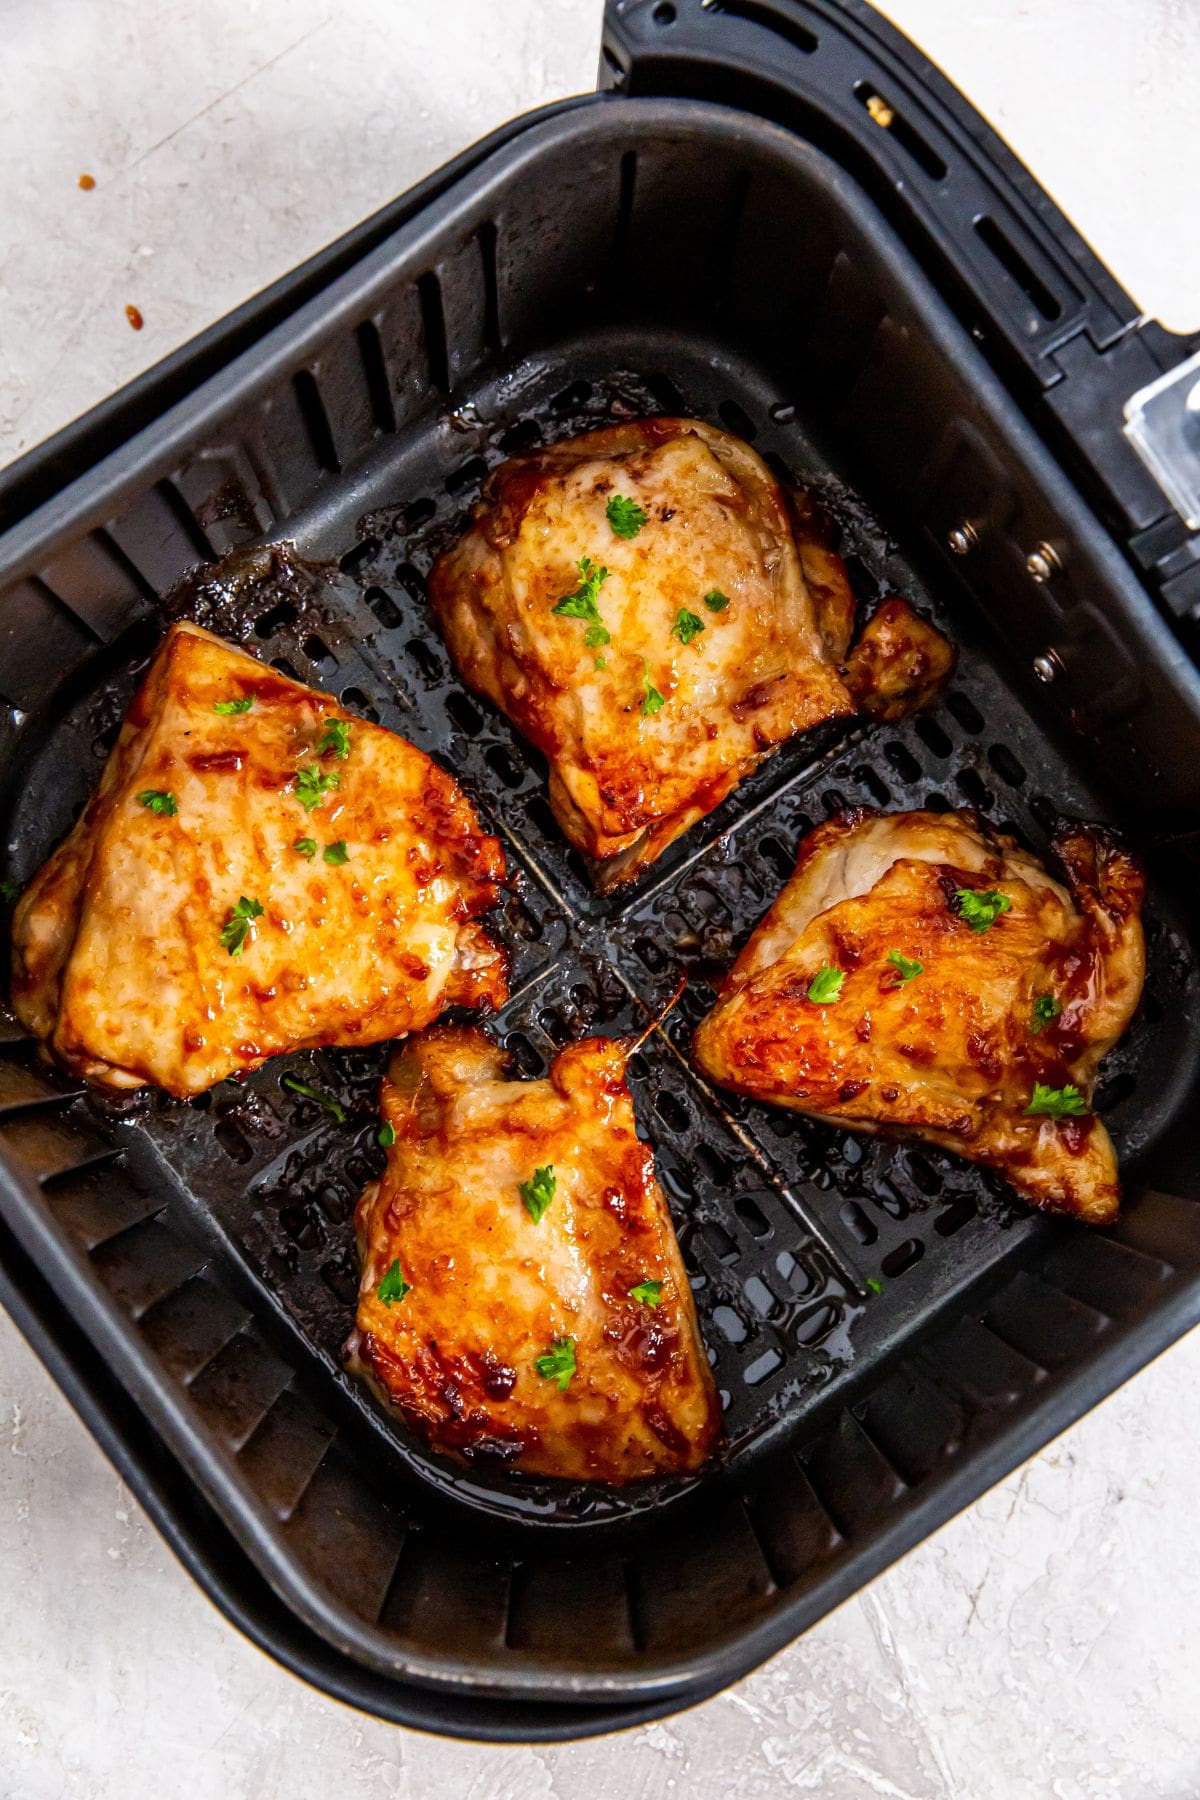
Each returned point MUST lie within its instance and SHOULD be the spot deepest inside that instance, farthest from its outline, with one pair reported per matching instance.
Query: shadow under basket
(889, 1330)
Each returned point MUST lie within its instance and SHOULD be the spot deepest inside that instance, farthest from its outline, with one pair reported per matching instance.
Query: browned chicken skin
(704, 628)
(136, 957)
(899, 665)
(532, 1339)
(1034, 994)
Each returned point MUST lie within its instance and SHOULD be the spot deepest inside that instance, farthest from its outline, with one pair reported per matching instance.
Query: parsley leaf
(233, 932)
(1046, 1008)
(600, 663)
(654, 701)
(581, 604)
(715, 600)
(558, 1364)
(306, 847)
(8, 892)
(386, 1135)
(825, 986)
(157, 800)
(1057, 1103)
(647, 1293)
(687, 626)
(337, 737)
(625, 516)
(234, 706)
(981, 910)
(312, 785)
(906, 969)
(538, 1192)
(873, 1284)
(336, 853)
(393, 1287)
(312, 1093)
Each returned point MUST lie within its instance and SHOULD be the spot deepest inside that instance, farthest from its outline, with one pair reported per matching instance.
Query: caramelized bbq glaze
(953, 1054)
(490, 1290)
(625, 781)
(119, 964)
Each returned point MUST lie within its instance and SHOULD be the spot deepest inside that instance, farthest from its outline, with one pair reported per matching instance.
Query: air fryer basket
(618, 258)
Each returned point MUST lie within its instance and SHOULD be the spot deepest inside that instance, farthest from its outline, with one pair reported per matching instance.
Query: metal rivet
(962, 539)
(1043, 563)
(1046, 666)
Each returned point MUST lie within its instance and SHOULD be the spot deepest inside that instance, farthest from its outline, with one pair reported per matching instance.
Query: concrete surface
(1046, 1643)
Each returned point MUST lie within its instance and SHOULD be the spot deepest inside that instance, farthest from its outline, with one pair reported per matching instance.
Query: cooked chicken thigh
(646, 608)
(523, 1296)
(257, 872)
(921, 971)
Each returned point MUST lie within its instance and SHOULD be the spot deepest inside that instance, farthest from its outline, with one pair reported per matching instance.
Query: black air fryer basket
(781, 219)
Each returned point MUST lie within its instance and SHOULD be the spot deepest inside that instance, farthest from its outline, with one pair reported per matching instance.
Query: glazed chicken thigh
(522, 1295)
(921, 971)
(257, 872)
(649, 609)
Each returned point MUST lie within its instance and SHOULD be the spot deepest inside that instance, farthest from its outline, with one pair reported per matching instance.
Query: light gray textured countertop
(1047, 1642)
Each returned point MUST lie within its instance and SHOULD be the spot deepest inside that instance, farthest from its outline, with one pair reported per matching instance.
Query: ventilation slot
(793, 33)
(888, 119)
(737, 420)
(370, 348)
(316, 421)
(1014, 264)
(182, 513)
(433, 323)
(966, 712)
(493, 337)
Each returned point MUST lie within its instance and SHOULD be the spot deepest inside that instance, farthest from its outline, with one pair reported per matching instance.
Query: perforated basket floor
(207, 1247)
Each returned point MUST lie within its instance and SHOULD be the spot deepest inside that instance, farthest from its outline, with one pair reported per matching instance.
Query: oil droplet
(87, 183)
(135, 318)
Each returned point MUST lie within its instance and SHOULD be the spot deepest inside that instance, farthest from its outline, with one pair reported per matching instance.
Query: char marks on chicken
(523, 1296)
(921, 972)
(656, 615)
(257, 872)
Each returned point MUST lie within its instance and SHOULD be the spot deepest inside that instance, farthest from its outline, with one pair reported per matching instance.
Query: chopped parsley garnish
(906, 969)
(393, 1287)
(581, 604)
(873, 1284)
(312, 785)
(157, 800)
(312, 1093)
(336, 853)
(306, 847)
(558, 1364)
(1046, 1009)
(654, 701)
(538, 1191)
(600, 663)
(647, 1293)
(234, 706)
(386, 1135)
(8, 892)
(715, 600)
(825, 986)
(981, 910)
(625, 516)
(233, 932)
(687, 626)
(336, 738)
(1057, 1103)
